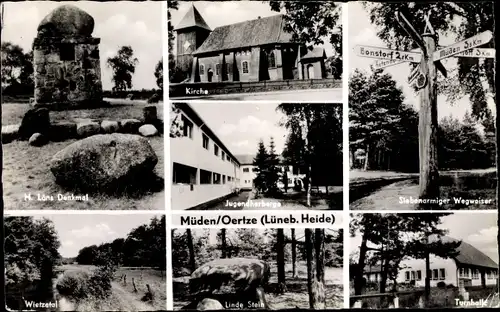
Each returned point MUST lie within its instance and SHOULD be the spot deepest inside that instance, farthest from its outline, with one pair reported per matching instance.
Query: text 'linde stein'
(388, 54)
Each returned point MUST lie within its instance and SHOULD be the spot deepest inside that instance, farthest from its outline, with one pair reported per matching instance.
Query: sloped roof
(265, 30)
(192, 18)
(469, 254)
(316, 52)
(248, 159)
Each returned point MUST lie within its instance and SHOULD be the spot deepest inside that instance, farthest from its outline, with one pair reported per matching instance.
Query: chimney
(258, 17)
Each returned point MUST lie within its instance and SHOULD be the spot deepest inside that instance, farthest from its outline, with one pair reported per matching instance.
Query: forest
(304, 266)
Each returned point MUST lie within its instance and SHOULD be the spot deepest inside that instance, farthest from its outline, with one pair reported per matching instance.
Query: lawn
(26, 168)
(123, 296)
(296, 295)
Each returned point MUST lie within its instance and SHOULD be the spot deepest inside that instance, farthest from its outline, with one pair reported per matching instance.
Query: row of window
(187, 131)
(244, 65)
(475, 274)
(435, 274)
(183, 174)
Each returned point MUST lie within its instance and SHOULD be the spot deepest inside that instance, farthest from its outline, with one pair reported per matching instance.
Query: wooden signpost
(424, 78)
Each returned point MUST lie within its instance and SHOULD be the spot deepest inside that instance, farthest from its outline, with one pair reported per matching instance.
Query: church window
(271, 60)
(202, 69)
(67, 52)
(244, 65)
(217, 69)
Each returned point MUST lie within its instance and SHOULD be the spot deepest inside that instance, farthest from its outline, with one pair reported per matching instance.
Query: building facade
(66, 61)
(254, 50)
(470, 267)
(203, 168)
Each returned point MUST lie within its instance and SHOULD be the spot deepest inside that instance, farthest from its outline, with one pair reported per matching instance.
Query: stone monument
(66, 60)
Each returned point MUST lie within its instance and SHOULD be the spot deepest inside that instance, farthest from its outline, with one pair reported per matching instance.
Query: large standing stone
(148, 130)
(232, 275)
(150, 114)
(62, 131)
(36, 120)
(38, 139)
(10, 133)
(104, 162)
(87, 128)
(108, 126)
(130, 125)
(67, 20)
(209, 304)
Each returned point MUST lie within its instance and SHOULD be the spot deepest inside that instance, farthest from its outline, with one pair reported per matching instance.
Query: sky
(82, 230)
(138, 24)
(216, 14)
(241, 125)
(478, 229)
(361, 32)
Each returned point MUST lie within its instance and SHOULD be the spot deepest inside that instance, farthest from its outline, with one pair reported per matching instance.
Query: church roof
(265, 30)
(66, 20)
(192, 18)
(316, 52)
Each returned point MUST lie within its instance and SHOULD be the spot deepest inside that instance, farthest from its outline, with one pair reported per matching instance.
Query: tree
(192, 259)
(319, 241)
(273, 173)
(159, 74)
(262, 166)
(280, 260)
(123, 66)
(17, 67)
(175, 74)
(294, 253)
(284, 178)
(176, 125)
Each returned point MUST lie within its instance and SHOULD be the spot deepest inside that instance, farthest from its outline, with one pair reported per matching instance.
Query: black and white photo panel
(240, 269)
(255, 50)
(85, 262)
(82, 107)
(422, 106)
(423, 260)
(256, 156)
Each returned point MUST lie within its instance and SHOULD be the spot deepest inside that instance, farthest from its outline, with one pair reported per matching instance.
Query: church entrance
(310, 71)
(210, 74)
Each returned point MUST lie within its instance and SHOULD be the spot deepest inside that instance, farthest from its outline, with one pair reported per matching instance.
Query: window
(229, 179)
(419, 275)
(205, 177)
(183, 174)
(216, 178)
(475, 274)
(67, 52)
(407, 275)
(270, 60)
(244, 66)
(246, 170)
(442, 274)
(223, 179)
(435, 274)
(255, 169)
(202, 69)
(223, 155)
(228, 158)
(205, 141)
(412, 275)
(216, 150)
(217, 69)
(187, 127)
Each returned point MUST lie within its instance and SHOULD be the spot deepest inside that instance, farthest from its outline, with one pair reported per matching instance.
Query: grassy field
(26, 168)
(123, 297)
(296, 295)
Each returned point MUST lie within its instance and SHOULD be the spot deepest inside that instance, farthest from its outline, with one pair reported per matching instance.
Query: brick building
(254, 50)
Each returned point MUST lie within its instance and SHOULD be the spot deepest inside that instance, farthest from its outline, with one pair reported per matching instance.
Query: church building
(254, 50)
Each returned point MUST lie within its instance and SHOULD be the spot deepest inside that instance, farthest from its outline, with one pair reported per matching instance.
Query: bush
(74, 285)
(441, 284)
(130, 96)
(155, 98)
(100, 281)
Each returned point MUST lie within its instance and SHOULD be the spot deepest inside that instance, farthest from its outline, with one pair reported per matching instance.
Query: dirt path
(129, 300)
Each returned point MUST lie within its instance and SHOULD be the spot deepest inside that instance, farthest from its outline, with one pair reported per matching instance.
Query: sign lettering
(388, 54)
(477, 52)
(462, 46)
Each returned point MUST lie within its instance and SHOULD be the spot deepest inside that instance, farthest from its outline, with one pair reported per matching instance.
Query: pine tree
(273, 171)
(261, 164)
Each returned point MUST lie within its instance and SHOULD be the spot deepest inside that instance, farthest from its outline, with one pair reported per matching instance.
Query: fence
(356, 301)
(227, 87)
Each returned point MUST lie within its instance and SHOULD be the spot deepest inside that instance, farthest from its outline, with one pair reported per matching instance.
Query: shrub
(74, 285)
(155, 98)
(100, 281)
(441, 284)
(130, 96)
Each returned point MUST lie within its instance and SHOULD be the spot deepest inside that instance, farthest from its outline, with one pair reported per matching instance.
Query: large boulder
(109, 126)
(129, 125)
(10, 133)
(62, 131)
(66, 20)
(87, 128)
(36, 120)
(38, 139)
(209, 304)
(148, 130)
(233, 275)
(104, 162)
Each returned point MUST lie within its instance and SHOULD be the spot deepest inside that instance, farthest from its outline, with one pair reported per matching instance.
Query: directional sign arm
(441, 68)
(408, 28)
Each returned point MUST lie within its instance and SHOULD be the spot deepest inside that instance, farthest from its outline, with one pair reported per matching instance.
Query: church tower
(191, 33)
